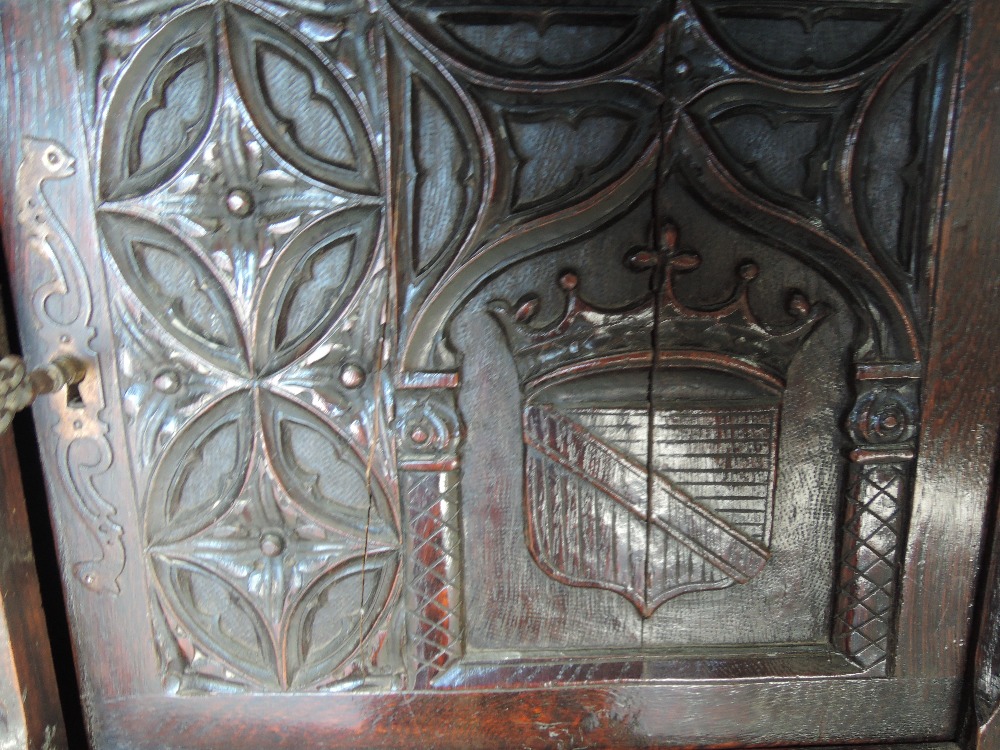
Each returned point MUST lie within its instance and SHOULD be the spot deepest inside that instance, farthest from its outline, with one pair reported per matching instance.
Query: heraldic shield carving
(699, 519)
(449, 342)
(650, 472)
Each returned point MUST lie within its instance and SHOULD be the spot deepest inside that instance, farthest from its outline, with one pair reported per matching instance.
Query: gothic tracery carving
(300, 199)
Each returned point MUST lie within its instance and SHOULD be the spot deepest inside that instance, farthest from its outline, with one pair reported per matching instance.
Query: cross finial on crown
(586, 332)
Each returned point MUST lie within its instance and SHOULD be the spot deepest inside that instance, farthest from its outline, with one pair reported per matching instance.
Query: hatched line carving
(570, 476)
(872, 527)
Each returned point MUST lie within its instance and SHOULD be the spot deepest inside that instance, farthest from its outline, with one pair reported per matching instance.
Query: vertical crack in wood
(373, 445)
(656, 282)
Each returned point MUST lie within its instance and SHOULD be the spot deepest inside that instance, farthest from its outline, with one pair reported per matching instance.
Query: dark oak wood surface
(492, 375)
(30, 714)
(968, 226)
(982, 103)
(961, 370)
(622, 716)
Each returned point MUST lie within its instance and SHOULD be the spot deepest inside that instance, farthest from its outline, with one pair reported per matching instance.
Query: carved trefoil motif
(298, 199)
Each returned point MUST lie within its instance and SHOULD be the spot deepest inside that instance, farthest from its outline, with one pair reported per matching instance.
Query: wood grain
(982, 93)
(511, 374)
(34, 101)
(664, 715)
(30, 714)
(960, 408)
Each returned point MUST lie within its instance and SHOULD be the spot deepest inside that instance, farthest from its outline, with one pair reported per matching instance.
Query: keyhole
(74, 399)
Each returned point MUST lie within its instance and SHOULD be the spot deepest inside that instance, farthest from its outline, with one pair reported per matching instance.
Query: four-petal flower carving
(247, 243)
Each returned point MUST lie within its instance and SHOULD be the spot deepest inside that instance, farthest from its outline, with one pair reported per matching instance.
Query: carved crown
(586, 335)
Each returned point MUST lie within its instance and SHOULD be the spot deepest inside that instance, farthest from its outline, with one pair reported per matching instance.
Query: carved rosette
(283, 336)
(241, 206)
(883, 426)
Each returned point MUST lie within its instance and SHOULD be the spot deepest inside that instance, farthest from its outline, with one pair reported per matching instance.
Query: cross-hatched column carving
(873, 526)
(883, 425)
(429, 437)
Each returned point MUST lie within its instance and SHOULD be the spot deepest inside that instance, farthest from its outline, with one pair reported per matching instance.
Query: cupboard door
(508, 374)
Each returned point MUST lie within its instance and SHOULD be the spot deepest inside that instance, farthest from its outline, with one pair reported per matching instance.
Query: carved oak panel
(444, 344)
(242, 208)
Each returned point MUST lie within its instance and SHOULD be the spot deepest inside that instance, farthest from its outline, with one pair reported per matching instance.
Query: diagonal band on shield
(628, 483)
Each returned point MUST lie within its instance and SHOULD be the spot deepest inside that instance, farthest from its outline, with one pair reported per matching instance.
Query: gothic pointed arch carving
(659, 227)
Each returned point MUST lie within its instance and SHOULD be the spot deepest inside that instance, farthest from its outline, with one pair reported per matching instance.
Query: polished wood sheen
(513, 374)
(971, 221)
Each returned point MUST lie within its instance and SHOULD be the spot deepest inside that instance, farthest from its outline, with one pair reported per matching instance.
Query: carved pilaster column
(429, 432)
(883, 426)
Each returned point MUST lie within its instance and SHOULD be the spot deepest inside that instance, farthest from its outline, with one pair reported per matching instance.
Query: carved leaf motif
(311, 282)
(779, 146)
(219, 617)
(271, 543)
(439, 150)
(163, 386)
(564, 151)
(893, 145)
(440, 200)
(322, 470)
(174, 281)
(781, 154)
(282, 560)
(803, 41)
(899, 151)
(558, 154)
(334, 378)
(300, 106)
(334, 616)
(161, 108)
(537, 42)
(202, 471)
